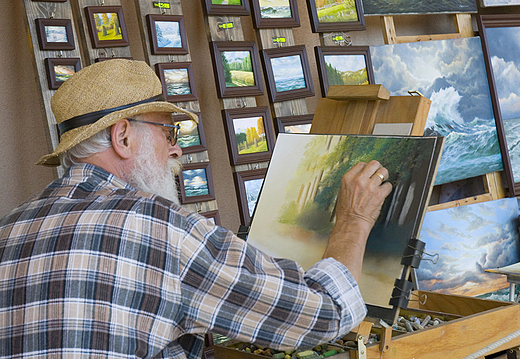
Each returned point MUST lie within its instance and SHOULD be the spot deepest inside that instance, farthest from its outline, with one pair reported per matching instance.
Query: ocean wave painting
(288, 73)
(452, 74)
(275, 9)
(385, 7)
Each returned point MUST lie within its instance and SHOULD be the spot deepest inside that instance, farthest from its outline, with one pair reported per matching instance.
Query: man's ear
(121, 138)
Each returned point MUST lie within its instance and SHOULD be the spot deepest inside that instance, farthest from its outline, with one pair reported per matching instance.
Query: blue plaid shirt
(93, 268)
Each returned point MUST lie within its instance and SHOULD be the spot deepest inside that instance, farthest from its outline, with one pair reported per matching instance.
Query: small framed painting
(344, 65)
(195, 183)
(191, 135)
(288, 73)
(249, 134)
(60, 69)
(49, 0)
(294, 124)
(237, 69)
(488, 3)
(177, 81)
(55, 34)
(275, 14)
(337, 15)
(212, 216)
(167, 34)
(106, 26)
(226, 7)
(248, 186)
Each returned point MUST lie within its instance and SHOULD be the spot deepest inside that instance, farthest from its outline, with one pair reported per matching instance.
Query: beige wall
(22, 126)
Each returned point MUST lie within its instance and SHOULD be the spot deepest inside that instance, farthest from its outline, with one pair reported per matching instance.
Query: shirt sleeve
(233, 289)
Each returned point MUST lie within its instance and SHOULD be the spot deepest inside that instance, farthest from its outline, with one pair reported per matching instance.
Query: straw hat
(98, 96)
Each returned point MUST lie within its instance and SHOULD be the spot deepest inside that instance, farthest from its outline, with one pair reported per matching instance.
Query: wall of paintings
(253, 69)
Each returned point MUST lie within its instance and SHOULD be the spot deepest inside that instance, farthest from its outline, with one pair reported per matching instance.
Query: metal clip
(415, 93)
(423, 302)
(52, 15)
(60, 54)
(198, 207)
(190, 159)
(362, 349)
(102, 3)
(434, 259)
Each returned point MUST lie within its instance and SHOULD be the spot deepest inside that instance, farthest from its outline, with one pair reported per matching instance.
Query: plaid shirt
(93, 268)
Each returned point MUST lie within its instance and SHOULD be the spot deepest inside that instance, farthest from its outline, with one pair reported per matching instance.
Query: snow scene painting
(168, 34)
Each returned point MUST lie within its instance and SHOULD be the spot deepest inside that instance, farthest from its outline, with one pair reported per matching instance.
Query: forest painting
(107, 25)
(250, 134)
(385, 7)
(333, 11)
(238, 69)
(296, 209)
(346, 69)
(452, 74)
(470, 239)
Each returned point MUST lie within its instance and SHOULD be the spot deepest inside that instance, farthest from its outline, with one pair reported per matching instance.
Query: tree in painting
(108, 26)
(336, 10)
(238, 68)
(250, 135)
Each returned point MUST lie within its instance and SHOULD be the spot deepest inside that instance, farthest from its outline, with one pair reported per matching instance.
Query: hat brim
(73, 137)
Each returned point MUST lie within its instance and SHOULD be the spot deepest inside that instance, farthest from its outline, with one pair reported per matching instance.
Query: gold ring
(380, 176)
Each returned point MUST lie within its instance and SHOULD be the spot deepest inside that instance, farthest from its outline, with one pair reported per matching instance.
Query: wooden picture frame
(191, 136)
(55, 34)
(177, 81)
(247, 197)
(202, 189)
(212, 215)
(344, 65)
(241, 148)
(243, 56)
(284, 123)
(269, 18)
(215, 7)
(503, 114)
(113, 33)
(288, 73)
(60, 69)
(99, 59)
(167, 34)
(336, 23)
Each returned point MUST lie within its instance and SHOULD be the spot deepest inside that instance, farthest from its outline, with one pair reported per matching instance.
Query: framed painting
(249, 134)
(336, 15)
(461, 108)
(195, 183)
(468, 240)
(248, 185)
(288, 73)
(177, 81)
(55, 34)
(294, 124)
(237, 69)
(501, 46)
(488, 3)
(212, 216)
(378, 7)
(60, 69)
(49, 0)
(275, 14)
(343, 65)
(167, 34)
(226, 7)
(295, 212)
(191, 135)
(106, 26)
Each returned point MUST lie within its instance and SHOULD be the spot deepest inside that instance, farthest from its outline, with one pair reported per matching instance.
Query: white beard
(149, 176)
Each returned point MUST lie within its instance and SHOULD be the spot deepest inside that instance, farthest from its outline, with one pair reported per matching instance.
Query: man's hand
(363, 191)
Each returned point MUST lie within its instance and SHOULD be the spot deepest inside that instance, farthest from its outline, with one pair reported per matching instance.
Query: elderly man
(105, 263)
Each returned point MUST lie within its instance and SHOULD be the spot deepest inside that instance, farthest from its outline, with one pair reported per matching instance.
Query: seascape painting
(346, 69)
(63, 72)
(168, 34)
(288, 73)
(335, 11)
(384, 7)
(56, 34)
(195, 182)
(504, 50)
(468, 240)
(250, 135)
(295, 212)
(452, 74)
(238, 69)
(275, 9)
(188, 134)
(107, 25)
(252, 188)
(177, 82)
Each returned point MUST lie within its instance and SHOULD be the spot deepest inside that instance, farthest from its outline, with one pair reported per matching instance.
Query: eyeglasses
(174, 130)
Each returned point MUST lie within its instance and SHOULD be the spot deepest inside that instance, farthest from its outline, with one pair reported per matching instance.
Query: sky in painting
(242, 124)
(469, 239)
(346, 62)
(287, 67)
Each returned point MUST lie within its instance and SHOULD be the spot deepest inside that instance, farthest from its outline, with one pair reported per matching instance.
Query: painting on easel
(452, 74)
(295, 211)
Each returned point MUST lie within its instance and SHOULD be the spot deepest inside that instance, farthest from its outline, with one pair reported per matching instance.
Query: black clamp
(413, 253)
(401, 293)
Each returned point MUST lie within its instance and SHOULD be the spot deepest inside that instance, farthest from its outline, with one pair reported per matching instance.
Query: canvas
(452, 74)
(486, 3)
(468, 240)
(384, 7)
(295, 211)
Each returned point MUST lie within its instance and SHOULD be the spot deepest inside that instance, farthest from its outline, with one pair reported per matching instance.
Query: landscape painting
(486, 3)
(238, 68)
(346, 69)
(384, 7)
(305, 128)
(468, 240)
(168, 34)
(295, 212)
(288, 73)
(334, 11)
(252, 188)
(56, 34)
(107, 25)
(226, 2)
(250, 135)
(452, 74)
(275, 9)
